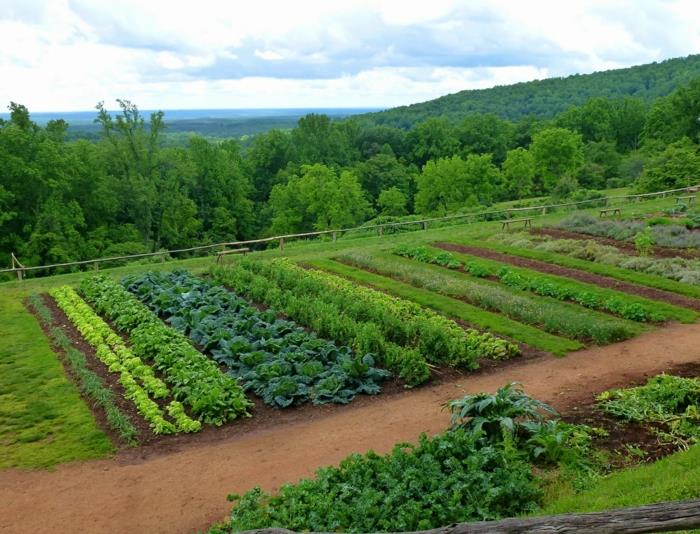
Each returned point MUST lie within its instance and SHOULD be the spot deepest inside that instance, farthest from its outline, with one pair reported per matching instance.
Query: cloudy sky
(60, 55)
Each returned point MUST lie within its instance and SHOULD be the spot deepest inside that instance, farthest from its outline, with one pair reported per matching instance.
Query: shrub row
(682, 270)
(211, 396)
(276, 358)
(671, 235)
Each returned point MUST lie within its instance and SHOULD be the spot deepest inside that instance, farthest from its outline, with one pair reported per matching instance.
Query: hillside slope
(545, 98)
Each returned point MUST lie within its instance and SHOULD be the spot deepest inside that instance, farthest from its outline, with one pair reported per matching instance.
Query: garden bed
(576, 274)
(623, 246)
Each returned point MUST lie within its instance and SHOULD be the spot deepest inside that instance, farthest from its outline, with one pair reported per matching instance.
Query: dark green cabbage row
(275, 358)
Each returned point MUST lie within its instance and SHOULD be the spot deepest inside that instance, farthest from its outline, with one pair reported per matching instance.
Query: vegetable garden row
(188, 351)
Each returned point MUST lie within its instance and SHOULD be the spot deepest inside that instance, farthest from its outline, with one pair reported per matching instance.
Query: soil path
(185, 491)
(576, 274)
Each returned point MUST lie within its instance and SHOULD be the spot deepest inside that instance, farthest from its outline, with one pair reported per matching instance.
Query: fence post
(334, 237)
(96, 266)
(281, 243)
(425, 225)
(544, 210)
(380, 230)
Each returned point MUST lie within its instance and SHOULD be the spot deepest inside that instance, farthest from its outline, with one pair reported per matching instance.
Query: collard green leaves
(278, 360)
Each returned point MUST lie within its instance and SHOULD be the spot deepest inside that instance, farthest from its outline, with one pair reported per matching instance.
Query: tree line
(130, 192)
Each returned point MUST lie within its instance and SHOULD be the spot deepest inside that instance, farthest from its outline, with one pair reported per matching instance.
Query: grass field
(43, 420)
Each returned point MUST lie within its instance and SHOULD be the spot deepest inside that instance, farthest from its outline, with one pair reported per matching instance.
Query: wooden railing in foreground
(661, 517)
(20, 269)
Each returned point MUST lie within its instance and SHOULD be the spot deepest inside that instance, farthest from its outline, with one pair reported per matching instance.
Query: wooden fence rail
(20, 269)
(660, 517)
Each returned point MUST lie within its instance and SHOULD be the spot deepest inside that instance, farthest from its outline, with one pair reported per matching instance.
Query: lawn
(43, 420)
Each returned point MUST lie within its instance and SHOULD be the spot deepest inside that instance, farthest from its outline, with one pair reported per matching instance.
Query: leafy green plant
(194, 380)
(275, 358)
(89, 383)
(511, 416)
(644, 242)
(668, 402)
(548, 315)
(498, 415)
(446, 479)
(394, 329)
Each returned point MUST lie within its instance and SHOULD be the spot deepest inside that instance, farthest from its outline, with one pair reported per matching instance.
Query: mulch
(624, 246)
(576, 274)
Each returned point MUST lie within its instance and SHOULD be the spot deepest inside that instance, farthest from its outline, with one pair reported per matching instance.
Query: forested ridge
(130, 191)
(545, 98)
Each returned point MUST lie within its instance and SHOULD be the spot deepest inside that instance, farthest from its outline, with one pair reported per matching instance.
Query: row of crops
(275, 358)
(188, 351)
(406, 338)
(610, 301)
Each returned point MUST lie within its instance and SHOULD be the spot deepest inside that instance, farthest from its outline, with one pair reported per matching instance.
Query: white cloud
(69, 54)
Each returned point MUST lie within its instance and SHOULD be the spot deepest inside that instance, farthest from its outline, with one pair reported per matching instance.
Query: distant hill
(220, 123)
(546, 98)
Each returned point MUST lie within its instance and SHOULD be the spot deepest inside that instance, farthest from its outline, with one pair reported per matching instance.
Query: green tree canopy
(557, 152)
(318, 199)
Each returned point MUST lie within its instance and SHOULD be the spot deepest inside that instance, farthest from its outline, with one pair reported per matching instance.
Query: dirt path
(577, 274)
(185, 490)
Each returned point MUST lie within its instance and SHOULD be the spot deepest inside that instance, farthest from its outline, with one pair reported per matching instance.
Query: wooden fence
(660, 517)
(541, 210)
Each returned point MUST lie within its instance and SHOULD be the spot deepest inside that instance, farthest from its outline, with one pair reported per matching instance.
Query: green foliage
(557, 152)
(447, 184)
(644, 242)
(451, 307)
(90, 384)
(548, 315)
(674, 167)
(323, 315)
(669, 402)
(610, 261)
(676, 236)
(450, 478)
(140, 384)
(519, 173)
(392, 202)
(625, 306)
(275, 358)
(513, 417)
(439, 339)
(546, 98)
(319, 199)
(194, 380)
(431, 139)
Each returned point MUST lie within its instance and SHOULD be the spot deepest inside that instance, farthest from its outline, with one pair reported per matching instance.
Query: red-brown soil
(624, 246)
(576, 274)
(184, 490)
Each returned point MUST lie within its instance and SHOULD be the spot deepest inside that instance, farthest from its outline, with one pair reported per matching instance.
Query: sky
(67, 55)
